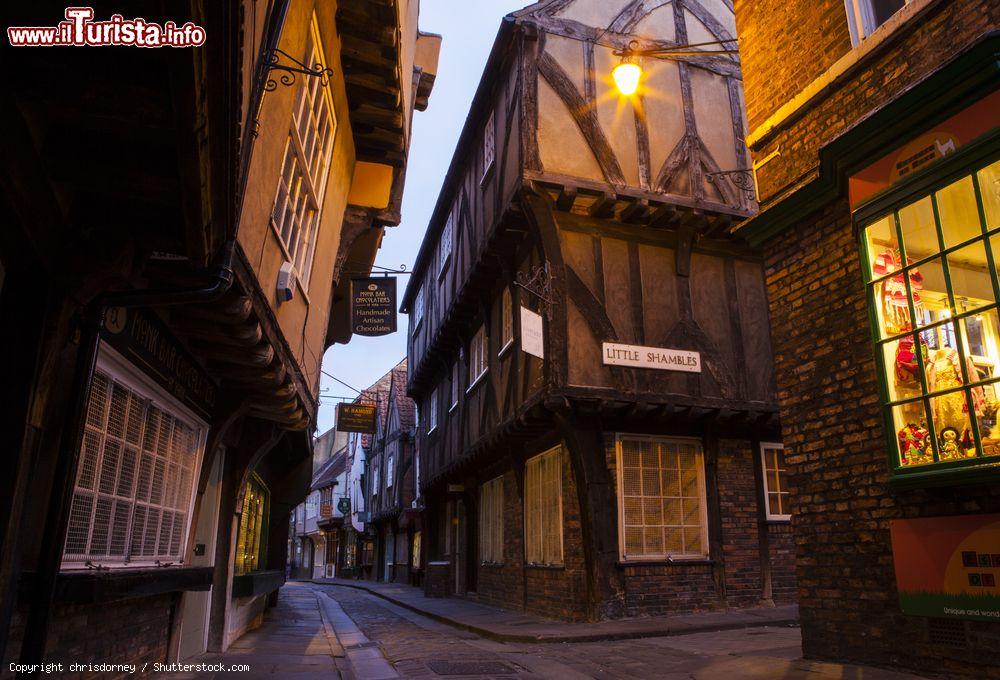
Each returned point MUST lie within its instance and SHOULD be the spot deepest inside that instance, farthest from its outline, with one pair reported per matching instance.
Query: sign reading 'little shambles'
(661, 358)
(373, 306)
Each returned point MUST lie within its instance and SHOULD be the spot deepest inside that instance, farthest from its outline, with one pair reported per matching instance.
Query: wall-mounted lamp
(628, 74)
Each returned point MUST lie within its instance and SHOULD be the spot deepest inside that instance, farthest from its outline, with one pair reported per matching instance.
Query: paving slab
(506, 626)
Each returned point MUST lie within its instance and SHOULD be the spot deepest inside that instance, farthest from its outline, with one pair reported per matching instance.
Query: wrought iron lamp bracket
(741, 179)
(288, 77)
(538, 282)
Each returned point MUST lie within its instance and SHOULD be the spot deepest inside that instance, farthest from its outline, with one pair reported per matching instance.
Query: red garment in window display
(907, 369)
(893, 290)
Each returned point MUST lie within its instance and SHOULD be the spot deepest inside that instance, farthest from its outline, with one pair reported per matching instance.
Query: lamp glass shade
(626, 76)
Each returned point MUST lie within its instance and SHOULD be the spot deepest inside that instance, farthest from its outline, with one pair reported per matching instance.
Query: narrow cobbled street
(323, 630)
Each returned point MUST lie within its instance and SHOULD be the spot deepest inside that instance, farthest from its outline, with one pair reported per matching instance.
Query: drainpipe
(57, 517)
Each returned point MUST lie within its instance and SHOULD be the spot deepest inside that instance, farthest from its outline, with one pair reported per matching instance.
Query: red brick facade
(832, 419)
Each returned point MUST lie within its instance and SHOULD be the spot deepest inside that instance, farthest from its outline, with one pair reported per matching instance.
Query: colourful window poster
(948, 566)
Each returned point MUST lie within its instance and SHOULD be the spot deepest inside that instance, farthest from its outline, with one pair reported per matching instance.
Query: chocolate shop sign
(373, 306)
(662, 358)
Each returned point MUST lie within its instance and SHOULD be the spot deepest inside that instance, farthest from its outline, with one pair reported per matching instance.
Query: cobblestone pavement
(418, 647)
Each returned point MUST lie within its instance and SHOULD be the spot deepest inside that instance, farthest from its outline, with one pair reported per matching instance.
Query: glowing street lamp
(627, 74)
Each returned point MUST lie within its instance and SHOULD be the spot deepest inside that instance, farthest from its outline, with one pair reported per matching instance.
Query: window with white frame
(374, 477)
(489, 145)
(864, 16)
(543, 508)
(312, 505)
(301, 183)
(432, 411)
(491, 521)
(507, 314)
(389, 470)
(445, 243)
(455, 377)
(135, 479)
(478, 357)
(418, 307)
(661, 498)
(772, 458)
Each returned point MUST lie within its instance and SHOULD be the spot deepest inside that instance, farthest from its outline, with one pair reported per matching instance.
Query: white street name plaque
(662, 358)
(532, 333)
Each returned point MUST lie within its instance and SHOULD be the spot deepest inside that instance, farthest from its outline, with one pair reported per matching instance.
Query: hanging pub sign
(143, 339)
(344, 505)
(373, 306)
(356, 418)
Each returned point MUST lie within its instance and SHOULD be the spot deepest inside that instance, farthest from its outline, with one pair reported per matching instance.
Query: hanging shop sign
(373, 306)
(948, 567)
(532, 333)
(325, 509)
(344, 505)
(143, 339)
(356, 418)
(662, 358)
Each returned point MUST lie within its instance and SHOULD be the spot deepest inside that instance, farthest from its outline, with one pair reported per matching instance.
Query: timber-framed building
(579, 246)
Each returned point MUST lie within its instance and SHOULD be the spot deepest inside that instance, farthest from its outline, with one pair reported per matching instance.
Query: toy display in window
(944, 372)
(914, 445)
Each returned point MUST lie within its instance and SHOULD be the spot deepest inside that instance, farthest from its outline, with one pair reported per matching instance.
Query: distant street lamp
(628, 74)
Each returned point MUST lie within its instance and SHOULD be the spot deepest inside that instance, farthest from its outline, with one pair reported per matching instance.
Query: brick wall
(739, 500)
(656, 589)
(781, 542)
(835, 450)
(128, 631)
(775, 67)
(502, 584)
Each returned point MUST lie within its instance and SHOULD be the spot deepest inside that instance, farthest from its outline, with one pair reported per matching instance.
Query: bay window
(251, 539)
(930, 262)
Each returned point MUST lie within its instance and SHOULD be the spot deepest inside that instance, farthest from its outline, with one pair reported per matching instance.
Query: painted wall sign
(142, 338)
(948, 566)
(661, 358)
(356, 418)
(373, 306)
(532, 333)
(924, 150)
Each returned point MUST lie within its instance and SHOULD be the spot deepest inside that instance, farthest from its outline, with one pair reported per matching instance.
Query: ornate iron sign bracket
(538, 282)
(288, 77)
(742, 179)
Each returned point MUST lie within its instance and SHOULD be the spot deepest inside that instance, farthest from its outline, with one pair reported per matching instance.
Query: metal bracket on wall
(288, 77)
(538, 282)
(741, 179)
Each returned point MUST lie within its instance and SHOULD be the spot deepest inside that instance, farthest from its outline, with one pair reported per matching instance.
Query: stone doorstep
(480, 620)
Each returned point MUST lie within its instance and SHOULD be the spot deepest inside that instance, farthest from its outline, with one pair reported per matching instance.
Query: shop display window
(931, 270)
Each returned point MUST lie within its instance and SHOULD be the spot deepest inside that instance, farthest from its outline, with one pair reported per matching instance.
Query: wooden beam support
(603, 206)
(566, 199)
(663, 217)
(635, 211)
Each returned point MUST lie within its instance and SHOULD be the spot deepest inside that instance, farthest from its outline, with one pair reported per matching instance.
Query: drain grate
(470, 668)
(946, 632)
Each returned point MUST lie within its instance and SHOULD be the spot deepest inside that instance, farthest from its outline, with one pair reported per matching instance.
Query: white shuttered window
(543, 508)
(134, 486)
(661, 498)
(491, 521)
(478, 357)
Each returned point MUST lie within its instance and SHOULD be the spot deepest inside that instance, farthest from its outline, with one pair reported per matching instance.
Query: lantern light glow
(626, 76)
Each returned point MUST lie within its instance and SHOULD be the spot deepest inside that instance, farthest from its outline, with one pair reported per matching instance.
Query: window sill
(506, 347)
(680, 562)
(963, 476)
(779, 519)
(494, 565)
(444, 268)
(453, 407)
(546, 567)
(476, 382)
(487, 173)
(432, 430)
(92, 587)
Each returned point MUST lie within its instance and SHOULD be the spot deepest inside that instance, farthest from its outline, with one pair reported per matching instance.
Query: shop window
(543, 508)
(931, 267)
(416, 550)
(491, 521)
(772, 457)
(864, 16)
(368, 553)
(251, 539)
(507, 312)
(661, 498)
(478, 356)
(135, 479)
(302, 181)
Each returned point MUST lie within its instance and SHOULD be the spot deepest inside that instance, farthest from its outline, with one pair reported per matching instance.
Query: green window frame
(931, 384)
(251, 541)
